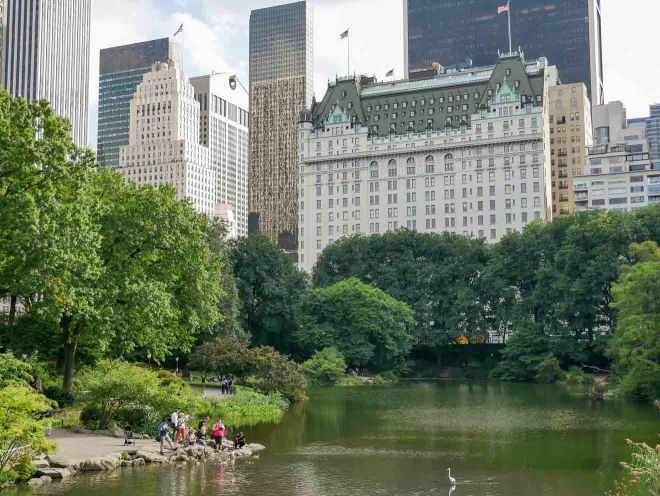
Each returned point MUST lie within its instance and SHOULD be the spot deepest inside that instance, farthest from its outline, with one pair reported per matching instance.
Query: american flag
(180, 30)
(503, 8)
(344, 34)
(390, 73)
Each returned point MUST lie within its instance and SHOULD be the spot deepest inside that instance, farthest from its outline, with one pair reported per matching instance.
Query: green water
(498, 439)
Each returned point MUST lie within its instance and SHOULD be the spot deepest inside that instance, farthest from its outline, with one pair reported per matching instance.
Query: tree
(527, 348)
(225, 355)
(635, 346)
(270, 288)
(369, 327)
(274, 372)
(14, 371)
(437, 275)
(326, 366)
(22, 434)
(112, 385)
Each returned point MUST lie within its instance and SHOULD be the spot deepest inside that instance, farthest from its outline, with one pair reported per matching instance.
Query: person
(128, 435)
(202, 431)
(192, 439)
(174, 418)
(38, 386)
(164, 434)
(230, 386)
(218, 432)
(181, 429)
(223, 386)
(239, 440)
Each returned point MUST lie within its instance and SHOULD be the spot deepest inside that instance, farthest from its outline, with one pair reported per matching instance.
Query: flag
(503, 8)
(180, 30)
(390, 73)
(344, 34)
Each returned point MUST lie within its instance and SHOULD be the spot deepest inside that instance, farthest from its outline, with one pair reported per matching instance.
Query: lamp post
(149, 357)
(177, 365)
(24, 355)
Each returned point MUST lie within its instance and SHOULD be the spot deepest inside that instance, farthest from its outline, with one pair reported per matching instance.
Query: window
(410, 166)
(391, 168)
(373, 172)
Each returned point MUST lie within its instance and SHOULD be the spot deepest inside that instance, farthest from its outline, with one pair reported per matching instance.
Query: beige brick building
(570, 138)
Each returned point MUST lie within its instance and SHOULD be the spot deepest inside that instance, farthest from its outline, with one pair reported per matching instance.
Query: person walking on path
(218, 432)
(164, 434)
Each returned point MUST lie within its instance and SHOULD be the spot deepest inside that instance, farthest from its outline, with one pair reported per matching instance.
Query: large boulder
(54, 473)
(255, 447)
(98, 464)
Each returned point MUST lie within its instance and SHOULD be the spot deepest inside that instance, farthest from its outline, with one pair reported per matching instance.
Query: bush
(576, 375)
(13, 370)
(642, 471)
(326, 366)
(523, 354)
(22, 435)
(276, 373)
(59, 395)
(113, 388)
(549, 370)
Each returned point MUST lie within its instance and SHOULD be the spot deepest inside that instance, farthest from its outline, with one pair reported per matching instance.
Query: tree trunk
(70, 345)
(12, 310)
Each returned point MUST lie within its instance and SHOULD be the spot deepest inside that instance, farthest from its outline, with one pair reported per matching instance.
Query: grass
(247, 407)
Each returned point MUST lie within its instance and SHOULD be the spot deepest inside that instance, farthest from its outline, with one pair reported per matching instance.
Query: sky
(216, 39)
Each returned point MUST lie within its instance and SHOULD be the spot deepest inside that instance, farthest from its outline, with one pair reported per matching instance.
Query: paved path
(75, 447)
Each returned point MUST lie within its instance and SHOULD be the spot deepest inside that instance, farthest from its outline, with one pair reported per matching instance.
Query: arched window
(391, 168)
(373, 173)
(449, 162)
(410, 166)
(430, 166)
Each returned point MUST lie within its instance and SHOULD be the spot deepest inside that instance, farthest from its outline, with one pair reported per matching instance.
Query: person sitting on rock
(239, 440)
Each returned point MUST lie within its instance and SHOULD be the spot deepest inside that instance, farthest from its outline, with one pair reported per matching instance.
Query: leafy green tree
(437, 275)
(112, 385)
(274, 372)
(22, 434)
(326, 366)
(225, 355)
(369, 327)
(635, 346)
(270, 288)
(14, 371)
(526, 349)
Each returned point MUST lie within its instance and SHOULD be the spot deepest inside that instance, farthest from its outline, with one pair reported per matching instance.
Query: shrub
(576, 375)
(642, 471)
(523, 354)
(59, 395)
(21, 433)
(14, 370)
(326, 366)
(549, 370)
(276, 373)
(114, 387)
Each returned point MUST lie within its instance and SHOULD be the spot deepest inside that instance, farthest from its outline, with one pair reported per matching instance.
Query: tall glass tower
(120, 72)
(281, 86)
(566, 32)
(46, 56)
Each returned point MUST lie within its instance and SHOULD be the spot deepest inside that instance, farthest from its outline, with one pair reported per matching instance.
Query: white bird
(452, 481)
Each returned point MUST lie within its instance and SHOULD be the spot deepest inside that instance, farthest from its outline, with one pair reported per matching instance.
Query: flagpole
(508, 14)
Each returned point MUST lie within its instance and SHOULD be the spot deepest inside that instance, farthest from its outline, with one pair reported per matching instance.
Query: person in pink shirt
(218, 432)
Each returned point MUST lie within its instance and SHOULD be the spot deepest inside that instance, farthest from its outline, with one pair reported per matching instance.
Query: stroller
(128, 435)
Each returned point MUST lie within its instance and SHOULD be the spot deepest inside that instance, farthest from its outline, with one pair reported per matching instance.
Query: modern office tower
(46, 56)
(224, 130)
(653, 133)
(463, 152)
(567, 32)
(120, 72)
(164, 139)
(281, 85)
(570, 138)
(619, 174)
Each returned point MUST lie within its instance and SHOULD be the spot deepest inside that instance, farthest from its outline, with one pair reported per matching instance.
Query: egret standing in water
(452, 481)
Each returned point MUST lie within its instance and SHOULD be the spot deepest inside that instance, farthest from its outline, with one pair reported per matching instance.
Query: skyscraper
(164, 141)
(224, 128)
(281, 85)
(120, 72)
(570, 138)
(566, 32)
(653, 133)
(46, 56)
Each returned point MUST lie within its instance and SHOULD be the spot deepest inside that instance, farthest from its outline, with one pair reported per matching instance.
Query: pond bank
(90, 452)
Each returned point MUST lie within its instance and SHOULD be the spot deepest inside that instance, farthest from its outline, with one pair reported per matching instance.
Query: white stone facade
(164, 141)
(619, 174)
(485, 180)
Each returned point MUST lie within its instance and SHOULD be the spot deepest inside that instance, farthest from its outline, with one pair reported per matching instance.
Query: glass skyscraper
(281, 86)
(120, 72)
(566, 32)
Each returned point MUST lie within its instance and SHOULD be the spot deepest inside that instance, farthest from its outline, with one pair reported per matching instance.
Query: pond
(498, 439)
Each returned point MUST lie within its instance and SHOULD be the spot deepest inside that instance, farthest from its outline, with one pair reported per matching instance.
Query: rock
(116, 432)
(40, 463)
(97, 464)
(137, 462)
(45, 479)
(58, 462)
(54, 473)
(255, 447)
(125, 463)
(35, 482)
(243, 452)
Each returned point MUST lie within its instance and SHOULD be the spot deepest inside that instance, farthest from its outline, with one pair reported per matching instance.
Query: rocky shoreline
(50, 468)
